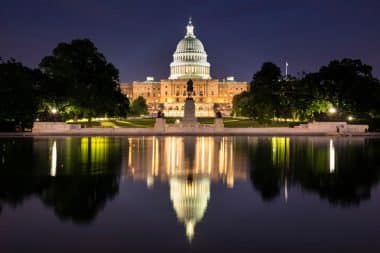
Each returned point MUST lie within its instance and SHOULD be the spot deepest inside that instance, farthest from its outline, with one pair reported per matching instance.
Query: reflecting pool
(189, 194)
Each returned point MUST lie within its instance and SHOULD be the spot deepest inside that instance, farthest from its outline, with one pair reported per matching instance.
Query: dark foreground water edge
(189, 194)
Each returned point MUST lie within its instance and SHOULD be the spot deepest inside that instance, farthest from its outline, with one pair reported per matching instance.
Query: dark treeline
(346, 85)
(75, 81)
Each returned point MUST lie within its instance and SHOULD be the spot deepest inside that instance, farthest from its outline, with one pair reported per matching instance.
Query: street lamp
(54, 110)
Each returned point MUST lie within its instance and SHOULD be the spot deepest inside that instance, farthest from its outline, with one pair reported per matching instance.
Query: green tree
(18, 94)
(268, 76)
(79, 80)
(349, 85)
(139, 106)
(241, 104)
(265, 88)
(262, 100)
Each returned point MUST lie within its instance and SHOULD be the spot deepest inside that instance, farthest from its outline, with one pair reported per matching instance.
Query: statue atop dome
(190, 29)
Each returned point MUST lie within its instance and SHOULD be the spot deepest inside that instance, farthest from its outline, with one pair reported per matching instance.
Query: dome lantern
(190, 29)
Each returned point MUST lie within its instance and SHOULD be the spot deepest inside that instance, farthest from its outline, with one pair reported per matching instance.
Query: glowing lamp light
(350, 118)
(332, 110)
(54, 110)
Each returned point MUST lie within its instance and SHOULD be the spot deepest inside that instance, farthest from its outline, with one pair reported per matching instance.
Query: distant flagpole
(286, 68)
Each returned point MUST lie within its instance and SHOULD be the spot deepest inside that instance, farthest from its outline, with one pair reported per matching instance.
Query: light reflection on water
(188, 165)
(79, 177)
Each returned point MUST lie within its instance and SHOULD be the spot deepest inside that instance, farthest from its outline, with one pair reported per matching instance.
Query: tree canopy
(139, 106)
(347, 85)
(18, 94)
(80, 81)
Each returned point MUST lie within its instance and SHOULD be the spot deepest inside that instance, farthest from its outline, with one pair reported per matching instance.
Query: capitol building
(189, 62)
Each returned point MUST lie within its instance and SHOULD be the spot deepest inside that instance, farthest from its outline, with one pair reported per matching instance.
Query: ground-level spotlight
(332, 110)
(54, 110)
(350, 118)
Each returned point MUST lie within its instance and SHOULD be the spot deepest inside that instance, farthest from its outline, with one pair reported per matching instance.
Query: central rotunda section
(190, 58)
(169, 96)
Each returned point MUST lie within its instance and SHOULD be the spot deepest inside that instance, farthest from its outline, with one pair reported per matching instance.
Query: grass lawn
(232, 122)
(135, 123)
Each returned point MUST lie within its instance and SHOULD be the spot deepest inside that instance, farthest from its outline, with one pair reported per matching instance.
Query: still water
(189, 194)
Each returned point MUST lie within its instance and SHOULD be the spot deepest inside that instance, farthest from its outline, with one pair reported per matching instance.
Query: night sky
(139, 37)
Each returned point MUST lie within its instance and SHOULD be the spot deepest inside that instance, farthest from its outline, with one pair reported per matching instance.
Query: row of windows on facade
(176, 108)
(177, 94)
(199, 108)
(180, 69)
(200, 100)
(189, 58)
(184, 94)
(148, 88)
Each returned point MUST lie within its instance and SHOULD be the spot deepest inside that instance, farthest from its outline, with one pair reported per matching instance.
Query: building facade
(189, 62)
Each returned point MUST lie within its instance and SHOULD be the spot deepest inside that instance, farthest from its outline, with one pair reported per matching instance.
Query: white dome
(190, 58)
(190, 45)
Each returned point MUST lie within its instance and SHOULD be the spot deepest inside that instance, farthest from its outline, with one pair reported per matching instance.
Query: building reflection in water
(158, 158)
(188, 164)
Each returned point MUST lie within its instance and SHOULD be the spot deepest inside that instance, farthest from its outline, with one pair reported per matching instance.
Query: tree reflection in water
(341, 170)
(86, 174)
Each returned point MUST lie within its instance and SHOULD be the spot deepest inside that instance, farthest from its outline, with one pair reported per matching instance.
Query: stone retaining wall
(46, 128)
(39, 127)
(334, 127)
